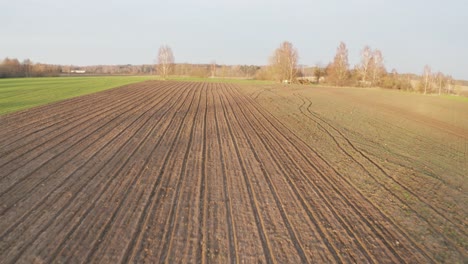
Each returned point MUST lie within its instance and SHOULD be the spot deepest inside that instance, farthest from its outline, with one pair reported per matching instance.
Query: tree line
(13, 68)
(369, 72)
(166, 66)
(282, 67)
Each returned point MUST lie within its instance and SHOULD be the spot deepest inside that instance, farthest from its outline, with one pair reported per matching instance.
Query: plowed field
(203, 172)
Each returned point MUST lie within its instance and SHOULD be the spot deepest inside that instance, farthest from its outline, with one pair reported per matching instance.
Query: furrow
(336, 189)
(281, 156)
(272, 188)
(122, 218)
(130, 171)
(416, 212)
(136, 195)
(127, 165)
(232, 236)
(39, 114)
(343, 179)
(137, 249)
(67, 201)
(34, 152)
(200, 246)
(187, 228)
(252, 197)
(16, 196)
(36, 135)
(49, 114)
(173, 213)
(421, 199)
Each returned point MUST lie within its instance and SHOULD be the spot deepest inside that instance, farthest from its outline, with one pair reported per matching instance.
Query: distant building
(78, 71)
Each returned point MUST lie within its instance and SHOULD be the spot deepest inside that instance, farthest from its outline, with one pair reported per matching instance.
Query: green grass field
(23, 93)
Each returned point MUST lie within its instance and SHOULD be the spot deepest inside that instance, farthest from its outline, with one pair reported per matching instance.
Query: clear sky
(409, 33)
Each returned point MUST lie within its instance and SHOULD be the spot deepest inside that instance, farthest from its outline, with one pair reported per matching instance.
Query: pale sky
(409, 33)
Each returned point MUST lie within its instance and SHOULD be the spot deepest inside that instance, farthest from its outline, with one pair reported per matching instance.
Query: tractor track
(335, 187)
(321, 122)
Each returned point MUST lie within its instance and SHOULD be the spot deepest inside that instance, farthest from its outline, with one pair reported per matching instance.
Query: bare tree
(427, 77)
(366, 62)
(450, 83)
(441, 80)
(284, 62)
(338, 70)
(377, 66)
(165, 61)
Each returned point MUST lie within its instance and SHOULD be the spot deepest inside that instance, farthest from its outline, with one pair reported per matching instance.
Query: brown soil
(199, 172)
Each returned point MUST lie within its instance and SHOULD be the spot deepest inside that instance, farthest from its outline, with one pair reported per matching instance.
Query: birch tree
(365, 65)
(284, 62)
(165, 61)
(338, 70)
(450, 83)
(427, 78)
(441, 81)
(377, 67)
